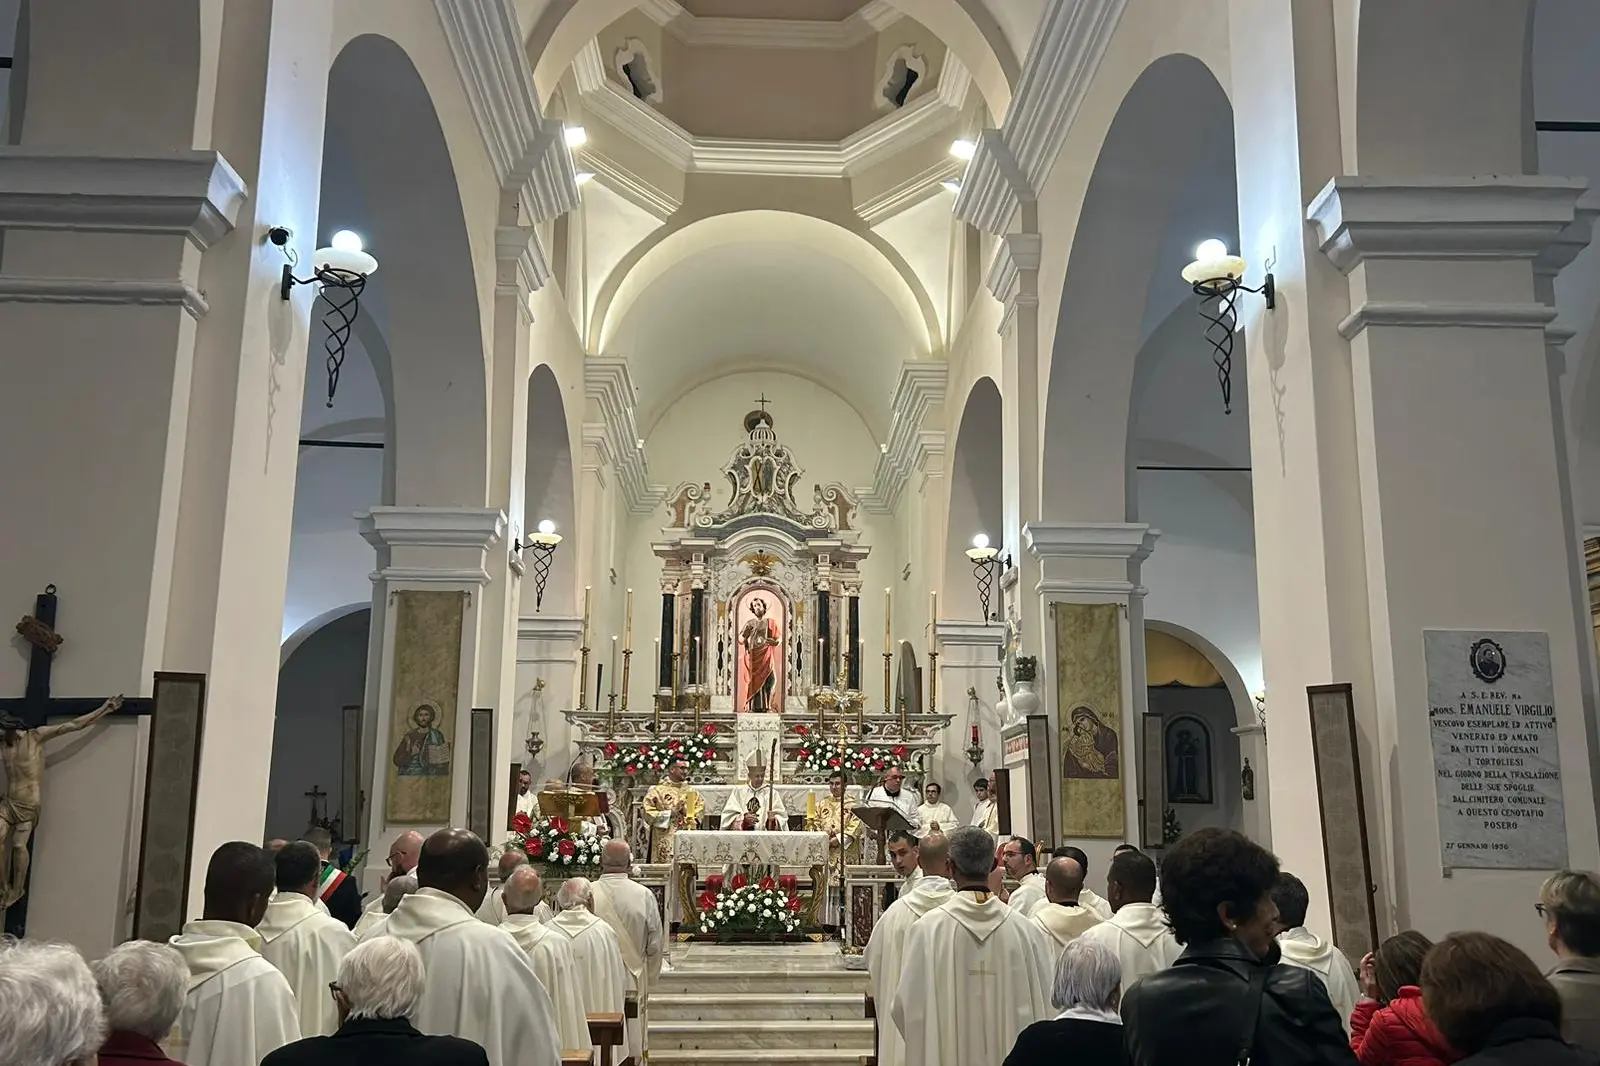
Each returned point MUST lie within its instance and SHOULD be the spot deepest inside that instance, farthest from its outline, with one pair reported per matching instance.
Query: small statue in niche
(1247, 781)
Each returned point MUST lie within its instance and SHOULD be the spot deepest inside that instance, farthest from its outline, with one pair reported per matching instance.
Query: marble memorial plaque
(1496, 757)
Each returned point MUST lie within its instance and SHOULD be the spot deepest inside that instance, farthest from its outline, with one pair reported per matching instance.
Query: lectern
(882, 821)
(573, 803)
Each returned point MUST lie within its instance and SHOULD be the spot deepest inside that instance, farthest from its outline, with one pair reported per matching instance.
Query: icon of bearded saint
(1091, 747)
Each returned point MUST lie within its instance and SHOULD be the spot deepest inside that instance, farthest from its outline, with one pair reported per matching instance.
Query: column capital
(551, 627)
(521, 266)
(970, 634)
(910, 447)
(436, 545)
(1359, 217)
(1013, 274)
(609, 383)
(1093, 558)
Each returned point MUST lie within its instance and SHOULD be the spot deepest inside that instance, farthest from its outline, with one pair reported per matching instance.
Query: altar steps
(764, 1034)
(845, 1007)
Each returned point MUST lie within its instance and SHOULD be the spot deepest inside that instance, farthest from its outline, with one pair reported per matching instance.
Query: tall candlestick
(627, 625)
(584, 638)
(821, 645)
(627, 673)
(599, 675)
(658, 650)
(861, 666)
(933, 610)
(583, 662)
(613, 667)
(694, 668)
(888, 620)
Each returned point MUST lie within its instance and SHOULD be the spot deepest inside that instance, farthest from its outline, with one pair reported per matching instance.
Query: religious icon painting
(759, 614)
(1088, 658)
(422, 709)
(1188, 761)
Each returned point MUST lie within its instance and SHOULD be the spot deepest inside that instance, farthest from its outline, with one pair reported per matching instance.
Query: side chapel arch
(975, 504)
(550, 490)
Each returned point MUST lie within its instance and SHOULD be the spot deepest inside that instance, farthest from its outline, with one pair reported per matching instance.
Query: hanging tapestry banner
(1089, 718)
(422, 708)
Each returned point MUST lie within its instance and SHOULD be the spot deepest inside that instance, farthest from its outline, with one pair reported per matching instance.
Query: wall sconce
(1260, 699)
(340, 272)
(975, 748)
(542, 545)
(1215, 275)
(985, 567)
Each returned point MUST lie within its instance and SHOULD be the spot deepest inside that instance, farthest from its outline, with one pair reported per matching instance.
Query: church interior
(485, 414)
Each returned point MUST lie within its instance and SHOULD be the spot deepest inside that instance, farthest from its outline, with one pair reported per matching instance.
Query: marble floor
(756, 1003)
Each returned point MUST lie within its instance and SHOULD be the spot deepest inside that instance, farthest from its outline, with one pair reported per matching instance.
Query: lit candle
(888, 618)
(585, 638)
(974, 734)
(820, 654)
(627, 624)
(658, 660)
(613, 665)
(933, 609)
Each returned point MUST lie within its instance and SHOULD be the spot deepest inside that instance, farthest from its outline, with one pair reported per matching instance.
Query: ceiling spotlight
(951, 185)
(577, 136)
(584, 177)
(963, 148)
(1217, 278)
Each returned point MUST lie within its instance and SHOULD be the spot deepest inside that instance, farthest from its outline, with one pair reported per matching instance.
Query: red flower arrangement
(698, 750)
(554, 841)
(865, 763)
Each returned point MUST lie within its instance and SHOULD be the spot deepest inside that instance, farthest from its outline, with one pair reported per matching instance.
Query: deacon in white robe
(238, 1007)
(598, 969)
(905, 857)
(550, 955)
(747, 804)
(934, 814)
(1061, 916)
(480, 985)
(985, 814)
(1020, 859)
(1087, 897)
(305, 944)
(403, 855)
(975, 972)
(631, 910)
(527, 800)
(1137, 929)
(892, 793)
(493, 910)
(886, 950)
(1300, 947)
(371, 923)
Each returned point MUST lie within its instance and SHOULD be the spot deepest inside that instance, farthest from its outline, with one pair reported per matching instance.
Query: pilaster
(969, 662)
(547, 671)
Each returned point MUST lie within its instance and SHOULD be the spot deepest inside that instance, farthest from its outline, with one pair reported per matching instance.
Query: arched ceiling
(762, 304)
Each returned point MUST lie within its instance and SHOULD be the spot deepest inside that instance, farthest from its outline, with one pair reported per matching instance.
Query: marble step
(755, 1006)
(794, 982)
(746, 1057)
(761, 1035)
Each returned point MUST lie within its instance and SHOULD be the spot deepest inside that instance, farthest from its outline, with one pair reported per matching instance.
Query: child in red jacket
(1389, 1026)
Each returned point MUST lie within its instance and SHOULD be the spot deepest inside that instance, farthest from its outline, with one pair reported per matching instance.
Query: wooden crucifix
(24, 729)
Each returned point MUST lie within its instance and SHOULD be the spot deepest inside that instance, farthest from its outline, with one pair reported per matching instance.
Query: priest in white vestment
(598, 968)
(493, 910)
(985, 815)
(886, 949)
(1061, 916)
(1020, 858)
(305, 944)
(1088, 898)
(975, 972)
(527, 800)
(1299, 946)
(403, 856)
(891, 792)
(935, 814)
(631, 910)
(905, 858)
(747, 804)
(549, 953)
(1137, 929)
(480, 985)
(371, 923)
(238, 1007)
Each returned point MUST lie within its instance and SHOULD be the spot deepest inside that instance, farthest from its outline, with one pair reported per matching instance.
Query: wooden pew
(871, 1012)
(577, 1058)
(606, 1030)
(630, 1012)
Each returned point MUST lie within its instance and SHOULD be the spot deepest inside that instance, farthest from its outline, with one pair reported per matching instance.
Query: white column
(969, 659)
(1086, 562)
(437, 549)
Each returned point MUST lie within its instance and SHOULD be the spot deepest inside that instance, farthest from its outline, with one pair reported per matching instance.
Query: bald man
(493, 910)
(403, 853)
(479, 983)
(886, 949)
(633, 914)
(1061, 916)
(549, 954)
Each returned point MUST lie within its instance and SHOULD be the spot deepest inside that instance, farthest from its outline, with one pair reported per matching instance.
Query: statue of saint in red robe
(759, 639)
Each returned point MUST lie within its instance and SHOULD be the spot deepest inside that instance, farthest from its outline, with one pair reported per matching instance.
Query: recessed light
(963, 148)
(577, 136)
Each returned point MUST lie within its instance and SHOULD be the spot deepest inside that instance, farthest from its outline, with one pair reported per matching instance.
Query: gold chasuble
(828, 816)
(670, 807)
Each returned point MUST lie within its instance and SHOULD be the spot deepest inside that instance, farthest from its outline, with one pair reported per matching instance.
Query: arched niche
(975, 501)
(549, 493)
(1122, 258)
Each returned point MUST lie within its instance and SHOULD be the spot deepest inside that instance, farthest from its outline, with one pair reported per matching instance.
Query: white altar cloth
(794, 796)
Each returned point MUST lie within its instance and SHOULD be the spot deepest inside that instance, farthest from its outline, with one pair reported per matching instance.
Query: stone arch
(557, 29)
(1174, 109)
(401, 186)
(1419, 119)
(975, 503)
(550, 491)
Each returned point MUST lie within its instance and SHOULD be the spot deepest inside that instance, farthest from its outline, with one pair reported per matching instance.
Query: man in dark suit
(335, 888)
(379, 986)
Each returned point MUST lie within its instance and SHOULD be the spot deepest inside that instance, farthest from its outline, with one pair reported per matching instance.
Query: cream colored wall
(907, 31)
(638, 25)
(925, 235)
(779, 94)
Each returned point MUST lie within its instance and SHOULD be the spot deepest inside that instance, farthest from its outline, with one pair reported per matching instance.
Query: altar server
(238, 1006)
(975, 973)
(598, 969)
(479, 983)
(886, 949)
(631, 911)
(303, 943)
(549, 953)
(985, 815)
(934, 814)
(747, 808)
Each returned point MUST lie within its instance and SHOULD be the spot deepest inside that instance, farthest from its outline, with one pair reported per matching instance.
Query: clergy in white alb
(598, 969)
(1088, 898)
(886, 949)
(493, 910)
(1137, 929)
(975, 972)
(934, 815)
(1020, 858)
(905, 857)
(305, 944)
(754, 805)
(238, 1006)
(1299, 946)
(549, 953)
(1061, 916)
(527, 800)
(985, 815)
(371, 923)
(633, 914)
(480, 985)
(403, 856)
(891, 792)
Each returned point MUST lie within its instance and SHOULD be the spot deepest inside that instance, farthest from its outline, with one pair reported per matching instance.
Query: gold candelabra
(888, 671)
(627, 664)
(583, 680)
(933, 682)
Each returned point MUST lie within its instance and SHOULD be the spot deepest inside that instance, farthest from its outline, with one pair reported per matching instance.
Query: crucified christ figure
(22, 754)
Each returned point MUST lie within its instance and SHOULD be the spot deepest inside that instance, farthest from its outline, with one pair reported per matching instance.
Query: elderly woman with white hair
(50, 1011)
(142, 985)
(1088, 1031)
(378, 989)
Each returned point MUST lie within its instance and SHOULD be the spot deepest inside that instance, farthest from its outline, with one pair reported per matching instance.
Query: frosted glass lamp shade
(346, 260)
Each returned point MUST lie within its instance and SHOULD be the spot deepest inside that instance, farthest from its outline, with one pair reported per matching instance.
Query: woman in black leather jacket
(1227, 999)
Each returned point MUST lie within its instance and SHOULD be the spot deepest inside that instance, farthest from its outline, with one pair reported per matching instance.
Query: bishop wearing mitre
(671, 805)
(747, 805)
